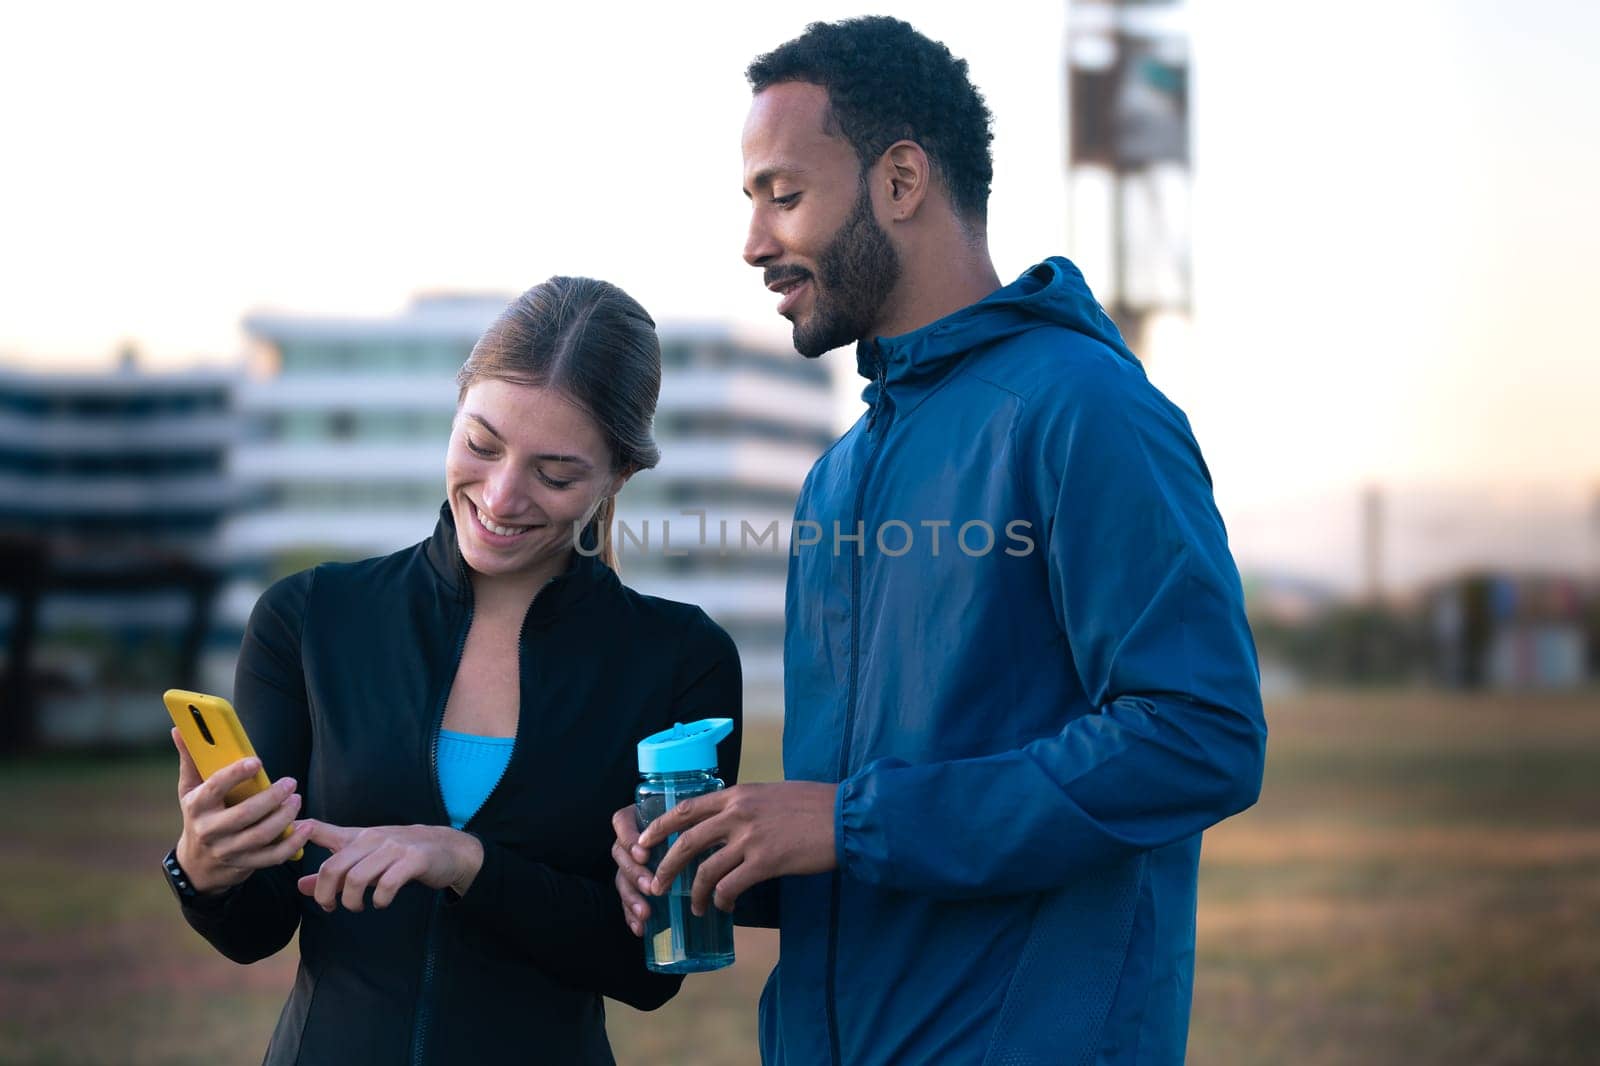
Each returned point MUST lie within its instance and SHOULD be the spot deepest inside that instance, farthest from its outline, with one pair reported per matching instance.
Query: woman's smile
(497, 530)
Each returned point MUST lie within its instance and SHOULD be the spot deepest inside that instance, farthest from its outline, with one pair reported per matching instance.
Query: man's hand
(385, 858)
(766, 831)
(633, 877)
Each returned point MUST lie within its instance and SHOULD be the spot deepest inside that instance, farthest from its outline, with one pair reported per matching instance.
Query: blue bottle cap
(683, 748)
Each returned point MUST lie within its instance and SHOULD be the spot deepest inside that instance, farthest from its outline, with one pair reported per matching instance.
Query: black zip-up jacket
(341, 683)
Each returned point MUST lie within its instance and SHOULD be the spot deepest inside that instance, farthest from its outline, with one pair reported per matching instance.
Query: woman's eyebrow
(484, 422)
(548, 457)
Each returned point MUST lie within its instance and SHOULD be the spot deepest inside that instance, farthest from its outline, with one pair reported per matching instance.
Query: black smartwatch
(183, 888)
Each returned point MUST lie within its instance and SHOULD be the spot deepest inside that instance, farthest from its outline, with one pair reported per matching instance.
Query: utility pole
(1372, 545)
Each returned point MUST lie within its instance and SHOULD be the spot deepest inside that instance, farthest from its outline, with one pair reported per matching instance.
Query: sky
(1394, 234)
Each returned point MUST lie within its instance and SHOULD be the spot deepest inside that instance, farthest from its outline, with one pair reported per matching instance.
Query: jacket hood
(1050, 294)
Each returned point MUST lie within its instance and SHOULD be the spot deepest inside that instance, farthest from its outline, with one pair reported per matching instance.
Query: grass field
(1419, 884)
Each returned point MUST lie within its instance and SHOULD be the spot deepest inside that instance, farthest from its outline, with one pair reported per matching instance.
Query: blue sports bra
(469, 768)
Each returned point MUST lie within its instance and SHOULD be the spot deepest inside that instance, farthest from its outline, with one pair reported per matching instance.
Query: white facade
(127, 457)
(346, 421)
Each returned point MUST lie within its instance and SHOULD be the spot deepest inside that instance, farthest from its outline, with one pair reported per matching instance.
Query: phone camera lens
(201, 722)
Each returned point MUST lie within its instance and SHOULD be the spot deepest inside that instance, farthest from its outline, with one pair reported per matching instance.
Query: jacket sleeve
(571, 925)
(1149, 604)
(257, 917)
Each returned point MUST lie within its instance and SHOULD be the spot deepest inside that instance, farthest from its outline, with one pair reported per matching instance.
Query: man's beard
(855, 275)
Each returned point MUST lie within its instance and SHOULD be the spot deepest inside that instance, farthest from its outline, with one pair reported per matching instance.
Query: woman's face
(525, 464)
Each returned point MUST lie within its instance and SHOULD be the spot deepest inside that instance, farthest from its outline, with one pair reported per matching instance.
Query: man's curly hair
(886, 82)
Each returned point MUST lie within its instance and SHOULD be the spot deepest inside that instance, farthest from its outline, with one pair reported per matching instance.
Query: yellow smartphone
(215, 738)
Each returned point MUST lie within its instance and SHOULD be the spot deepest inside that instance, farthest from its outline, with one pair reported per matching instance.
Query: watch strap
(183, 888)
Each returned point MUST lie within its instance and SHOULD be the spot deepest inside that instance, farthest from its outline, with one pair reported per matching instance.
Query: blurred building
(113, 489)
(739, 423)
(345, 424)
(346, 420)
(1511, 631)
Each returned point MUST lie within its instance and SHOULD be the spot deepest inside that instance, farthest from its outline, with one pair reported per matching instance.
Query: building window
(342, 425)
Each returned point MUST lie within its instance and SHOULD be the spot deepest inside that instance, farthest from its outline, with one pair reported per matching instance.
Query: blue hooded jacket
(1016, 636)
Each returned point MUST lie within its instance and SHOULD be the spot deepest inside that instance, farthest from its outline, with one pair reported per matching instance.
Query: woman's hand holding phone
(221, 846)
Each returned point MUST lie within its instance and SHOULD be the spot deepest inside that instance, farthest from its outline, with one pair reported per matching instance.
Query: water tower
(1128, 161)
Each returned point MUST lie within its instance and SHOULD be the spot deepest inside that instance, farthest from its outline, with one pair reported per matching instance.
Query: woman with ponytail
(449, 729)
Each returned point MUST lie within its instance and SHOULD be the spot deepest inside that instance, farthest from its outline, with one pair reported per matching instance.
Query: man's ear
(908, 176)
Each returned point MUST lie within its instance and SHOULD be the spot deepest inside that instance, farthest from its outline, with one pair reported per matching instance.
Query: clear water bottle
(674, 765)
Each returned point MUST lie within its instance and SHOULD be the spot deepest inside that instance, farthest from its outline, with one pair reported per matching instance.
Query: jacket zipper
(878, 400)
(430, 958)
(876, 436)
(419, 1035)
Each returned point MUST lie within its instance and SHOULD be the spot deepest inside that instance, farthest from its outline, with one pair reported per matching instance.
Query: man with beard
(1000, 753)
